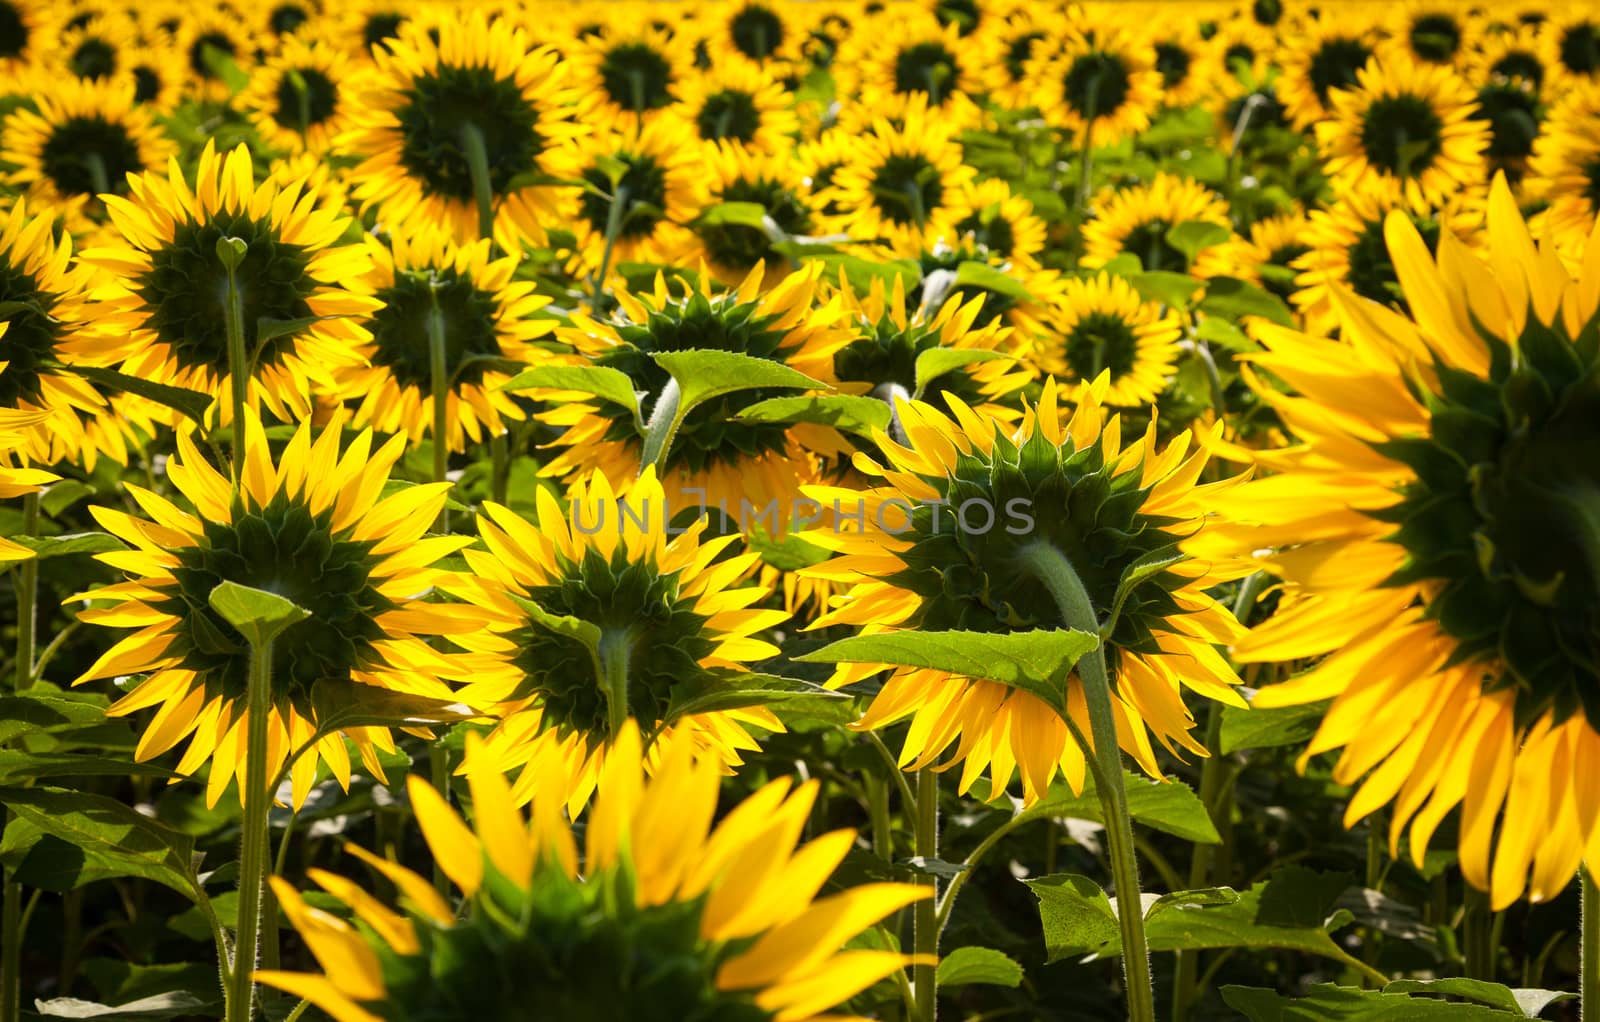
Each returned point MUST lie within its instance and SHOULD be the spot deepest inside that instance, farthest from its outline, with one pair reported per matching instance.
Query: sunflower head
(310, 526)
(1135, 220)
(736, 173)
(1101, 82)
(296, 98)
(725, 917)
(902, 180)
(1103, 326)
(1453, 583)
(742, 103)
(604, 612)
(299, 288)
(946, 544)
(925, 57)
(457, 298)
(1326, 57)
(997, 221)
(715, 454)
(640, 187)
(631, 72)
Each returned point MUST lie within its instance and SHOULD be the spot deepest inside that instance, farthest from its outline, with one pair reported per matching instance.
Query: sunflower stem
(1086, 148)
(614, 218)
(1589, 985)
(499, 467)
(1477, 924)
(612, 659)
(1052, 568)
(440, 372)
(98, 178)
(477, 153)
(11, 953)
(253, 840)
(11, 923)
(27, 598)
(232, 252)
(925, 921)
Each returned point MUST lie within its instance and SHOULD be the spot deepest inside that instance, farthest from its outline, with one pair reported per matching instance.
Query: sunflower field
(799, 510)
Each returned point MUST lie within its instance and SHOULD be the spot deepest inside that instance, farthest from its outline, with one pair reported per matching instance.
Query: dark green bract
(29, 342)
(73, 146)
(285, 549)
(566, 951)
(1504, 517)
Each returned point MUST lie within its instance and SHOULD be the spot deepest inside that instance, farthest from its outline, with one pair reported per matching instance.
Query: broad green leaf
(1328, 1003)
(188, 402)
(975, 274)
(1219, 331)
(716, 690)
(1193, 236)
(586, 632)
(1142, 570)
(602, 381)
(1234, 299)
(857, 415)
(1522, 1002)
(271, 329)
(967, 965)
(1036, 662)
(935, 362)
(107, 838)
(741, 214)
(171, 1005)
(1266, 729)
(337, 705)
(698, 375)
(1297, 896)
(1178, 927)
(1077, 916)
(1168, 806)
(10, 309)
(259, 616)
(16, 766)
(72, 543)
(1172, 289)
(44, 709)
(60, 496)
(220, 64)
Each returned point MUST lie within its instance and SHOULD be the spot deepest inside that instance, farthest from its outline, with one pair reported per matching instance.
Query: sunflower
(163, 301)
(297, 98)
(1511, 109)
(1511, 57)
(282, 19)
(1432, 529)
(1103, 326)
(97, 49)
(1345, 248)
(925, 559)
(629, 73)
(1434, 32)
(901, 182)
(819, 161)
(1565, 169)
(997, 220)
(734, 173)
(1325, 56)
(902, 53)
(19, 33)
(312, 528)
(156, 79)
(673, 617)
(640, 187)
(1102, 81)
(1276, 244)
(757, 31)
(79, 143)
(1574, 43)
(485, 318)
(727, 916)
(49, 329)
(1406, 129)
(740, 102)
(889, 335)
(440, 91)
(1020, 295)
(716, 460)
(204, 41)
(1008, 44)
(361, 25)
(1135, 220)
(1180, 58)
(15, 481)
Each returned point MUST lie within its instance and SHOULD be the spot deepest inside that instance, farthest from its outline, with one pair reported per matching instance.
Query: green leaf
(968, 965)
(259, 616)
(1169, 806)
(16, 766)
(71, 543)
(1234, 299)
(1325, 1002)
(230, 250)
(857, 415)
(43, 709)
(1172, 289)
(169, 1005)
(337, 705)
(1145, 568)
(10, 309)
(862, 272)
(1266, 729)
(1178, 927)
(1522, 1002)
(717, 689)
(1194, 236)
(187, 402)
(1297, 896)
(270, 329)
(1218, 331)
(106, 838)
(935, 362)
(62, 495)
(698, 375)
(586, 632)
(741, 214)
(602, 381)
(982, 275)
(1036, 661)
(1077, 916)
